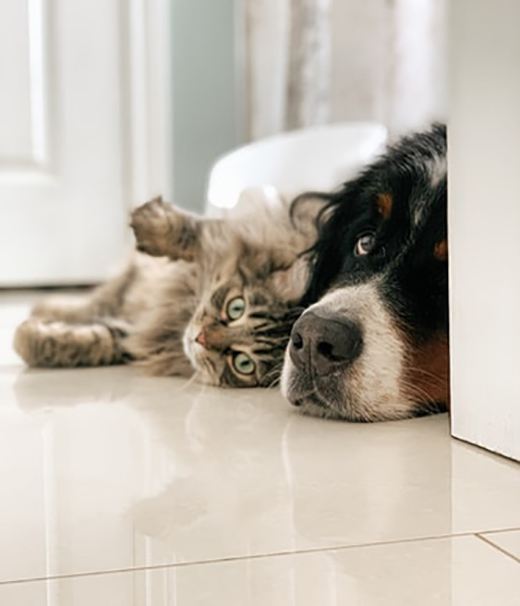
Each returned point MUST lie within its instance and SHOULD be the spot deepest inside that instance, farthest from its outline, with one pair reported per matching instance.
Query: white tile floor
(126, 490)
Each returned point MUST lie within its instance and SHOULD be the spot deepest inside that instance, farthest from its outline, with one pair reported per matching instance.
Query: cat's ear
(289, 284)
(258, 205)
(163, 230)
(307, 212)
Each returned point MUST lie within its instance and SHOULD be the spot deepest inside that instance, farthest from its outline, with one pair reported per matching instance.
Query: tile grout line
(259, 556)
(485, 532)
(498, 548)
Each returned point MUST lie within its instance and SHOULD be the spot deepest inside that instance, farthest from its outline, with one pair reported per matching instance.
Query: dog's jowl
(373, 343)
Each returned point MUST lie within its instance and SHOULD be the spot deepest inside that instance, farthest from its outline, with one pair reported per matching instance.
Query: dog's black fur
(385, 310)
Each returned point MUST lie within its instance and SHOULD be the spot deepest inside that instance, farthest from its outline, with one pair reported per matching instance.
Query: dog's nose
(324, 341)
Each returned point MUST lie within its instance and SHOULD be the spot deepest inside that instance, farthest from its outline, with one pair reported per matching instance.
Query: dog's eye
(243, 364)
(365, 245)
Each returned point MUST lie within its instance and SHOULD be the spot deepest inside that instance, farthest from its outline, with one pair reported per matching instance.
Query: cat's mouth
(191, 344)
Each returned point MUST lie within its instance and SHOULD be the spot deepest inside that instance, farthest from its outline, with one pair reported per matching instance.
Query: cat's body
(211, 297)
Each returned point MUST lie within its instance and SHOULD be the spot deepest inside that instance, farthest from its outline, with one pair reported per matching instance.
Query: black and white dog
(373, 343)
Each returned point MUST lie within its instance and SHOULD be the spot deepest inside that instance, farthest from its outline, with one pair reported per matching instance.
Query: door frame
(484, 224)
(147, 80)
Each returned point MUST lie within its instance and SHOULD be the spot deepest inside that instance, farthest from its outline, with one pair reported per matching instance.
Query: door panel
(67, 170)
(16, 142)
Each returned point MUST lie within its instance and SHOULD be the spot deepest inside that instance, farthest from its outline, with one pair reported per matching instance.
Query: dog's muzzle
(345, 358)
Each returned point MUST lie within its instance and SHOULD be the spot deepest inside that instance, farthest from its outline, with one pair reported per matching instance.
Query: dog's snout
(323, 342)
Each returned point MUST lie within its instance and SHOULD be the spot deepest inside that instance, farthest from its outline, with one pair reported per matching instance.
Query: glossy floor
(126, 490)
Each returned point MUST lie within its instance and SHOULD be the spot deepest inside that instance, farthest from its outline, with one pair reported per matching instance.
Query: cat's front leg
(162, 230)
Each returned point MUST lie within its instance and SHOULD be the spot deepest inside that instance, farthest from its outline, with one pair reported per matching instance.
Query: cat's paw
(163, 231)
(152, 227)
(61, 345)
(30, 342)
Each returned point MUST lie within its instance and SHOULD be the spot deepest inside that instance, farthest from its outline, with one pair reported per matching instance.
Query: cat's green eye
(235, 308)
(243, 364)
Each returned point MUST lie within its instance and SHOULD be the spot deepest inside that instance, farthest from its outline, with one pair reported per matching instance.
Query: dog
(372, 344)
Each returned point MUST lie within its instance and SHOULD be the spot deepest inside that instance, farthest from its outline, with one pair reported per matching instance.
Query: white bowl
(318, 158)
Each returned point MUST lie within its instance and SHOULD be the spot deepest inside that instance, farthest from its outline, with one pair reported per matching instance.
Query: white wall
(207, 109)
(484, 223)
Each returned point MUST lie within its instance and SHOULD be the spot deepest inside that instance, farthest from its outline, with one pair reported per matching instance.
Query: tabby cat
(210, 297)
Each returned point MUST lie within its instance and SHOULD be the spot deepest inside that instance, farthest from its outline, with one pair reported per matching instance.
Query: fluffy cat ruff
(167, 311)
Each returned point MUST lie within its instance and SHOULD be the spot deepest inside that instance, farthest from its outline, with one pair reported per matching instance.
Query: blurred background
(248, 69)
(106, 103)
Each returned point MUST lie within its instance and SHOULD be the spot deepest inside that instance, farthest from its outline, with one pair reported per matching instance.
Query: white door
(80, 142)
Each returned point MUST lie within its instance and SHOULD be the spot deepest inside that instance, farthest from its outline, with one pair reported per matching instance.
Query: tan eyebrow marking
(385, 203)
(440, 251)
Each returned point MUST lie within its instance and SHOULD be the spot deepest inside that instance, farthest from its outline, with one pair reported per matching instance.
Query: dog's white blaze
(418, 212)
(437, 169)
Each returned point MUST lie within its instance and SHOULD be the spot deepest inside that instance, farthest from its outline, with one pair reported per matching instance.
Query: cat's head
(251, 276)
(240, 329)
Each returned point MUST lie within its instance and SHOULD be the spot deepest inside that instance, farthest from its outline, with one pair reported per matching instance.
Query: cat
(214, 298)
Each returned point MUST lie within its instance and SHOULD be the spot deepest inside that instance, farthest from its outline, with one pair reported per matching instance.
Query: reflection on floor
(127, 490)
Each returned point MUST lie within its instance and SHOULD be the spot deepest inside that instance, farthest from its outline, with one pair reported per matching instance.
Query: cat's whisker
(188, 383)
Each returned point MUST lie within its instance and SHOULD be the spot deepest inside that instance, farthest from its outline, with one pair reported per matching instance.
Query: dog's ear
(290, 283)
(163, 230)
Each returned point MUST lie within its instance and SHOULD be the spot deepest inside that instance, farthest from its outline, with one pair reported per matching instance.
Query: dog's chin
(340, 408)
(331, 398)
(305, 395)
(315, 404)
(312, 405)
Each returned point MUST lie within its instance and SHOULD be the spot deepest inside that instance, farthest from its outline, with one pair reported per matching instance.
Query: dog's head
(373, 345)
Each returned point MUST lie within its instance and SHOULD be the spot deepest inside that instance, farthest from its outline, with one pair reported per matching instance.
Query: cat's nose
(201, 339)
(322, 342)
(215, 338)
